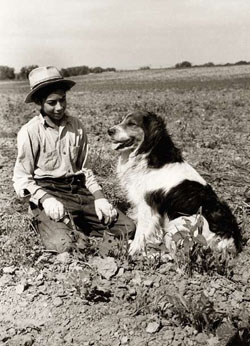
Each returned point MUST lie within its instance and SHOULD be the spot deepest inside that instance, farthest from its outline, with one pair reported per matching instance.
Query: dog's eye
(132, 123)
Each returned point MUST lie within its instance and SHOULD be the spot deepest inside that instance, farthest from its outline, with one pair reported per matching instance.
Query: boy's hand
(53, 208)
(105, 212)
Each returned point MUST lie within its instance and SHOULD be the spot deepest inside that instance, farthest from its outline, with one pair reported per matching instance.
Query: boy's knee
(58, 244)
(55, 236)
(127, 227)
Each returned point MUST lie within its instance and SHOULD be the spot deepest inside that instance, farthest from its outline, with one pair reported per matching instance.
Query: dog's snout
(111, 131)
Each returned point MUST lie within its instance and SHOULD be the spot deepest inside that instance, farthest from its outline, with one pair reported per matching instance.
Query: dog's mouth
(122, 145)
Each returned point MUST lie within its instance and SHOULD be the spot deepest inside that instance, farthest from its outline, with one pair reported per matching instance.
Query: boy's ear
(38, 105)
(37, 101)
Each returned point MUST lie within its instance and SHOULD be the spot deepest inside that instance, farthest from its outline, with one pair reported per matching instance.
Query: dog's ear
(153, 127)
(148, 117)
(157, 142)
(151, 118)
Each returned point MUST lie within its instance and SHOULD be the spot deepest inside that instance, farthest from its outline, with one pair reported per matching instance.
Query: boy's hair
(44, 92)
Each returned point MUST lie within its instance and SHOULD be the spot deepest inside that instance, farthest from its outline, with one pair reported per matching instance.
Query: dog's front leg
(148, 223)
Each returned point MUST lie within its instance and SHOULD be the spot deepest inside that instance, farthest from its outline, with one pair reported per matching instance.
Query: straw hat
(41, 77)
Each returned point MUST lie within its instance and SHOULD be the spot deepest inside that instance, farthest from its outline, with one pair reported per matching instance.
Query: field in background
(207, 112)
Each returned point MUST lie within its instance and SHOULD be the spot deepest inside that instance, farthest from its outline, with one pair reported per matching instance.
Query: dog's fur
(164, 189)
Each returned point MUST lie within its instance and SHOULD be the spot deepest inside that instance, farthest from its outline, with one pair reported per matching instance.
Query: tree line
(8, 73)
(188, 64)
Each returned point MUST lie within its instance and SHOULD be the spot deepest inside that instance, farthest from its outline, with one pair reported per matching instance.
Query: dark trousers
(82, 220)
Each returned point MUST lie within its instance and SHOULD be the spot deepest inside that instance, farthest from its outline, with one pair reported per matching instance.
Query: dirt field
(103, 297)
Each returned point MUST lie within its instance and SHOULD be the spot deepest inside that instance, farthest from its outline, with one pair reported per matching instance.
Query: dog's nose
(111, 131)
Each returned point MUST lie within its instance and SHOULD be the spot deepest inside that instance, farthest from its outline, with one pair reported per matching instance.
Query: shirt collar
(45, 120)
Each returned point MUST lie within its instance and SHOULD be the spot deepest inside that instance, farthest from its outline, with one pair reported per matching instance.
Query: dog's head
(139, 131)
(144, 132)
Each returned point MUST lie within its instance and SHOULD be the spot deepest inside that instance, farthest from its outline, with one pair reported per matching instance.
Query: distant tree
(241, 62)
(75, 71)
(183, 64)
(82, 70)
(110, 69)
(209, 64)
(97, 69)
(64, 72)
(25, 70)
(7, 72)
(144, 68)
(18, 76)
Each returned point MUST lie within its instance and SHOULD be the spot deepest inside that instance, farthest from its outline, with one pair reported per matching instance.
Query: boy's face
(54, 105)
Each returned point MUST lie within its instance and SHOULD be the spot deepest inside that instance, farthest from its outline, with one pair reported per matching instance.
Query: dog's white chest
(133, 177)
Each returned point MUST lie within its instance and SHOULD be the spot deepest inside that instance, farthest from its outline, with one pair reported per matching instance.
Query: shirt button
(64, 153)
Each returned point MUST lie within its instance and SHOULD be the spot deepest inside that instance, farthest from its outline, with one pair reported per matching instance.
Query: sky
(124, 34)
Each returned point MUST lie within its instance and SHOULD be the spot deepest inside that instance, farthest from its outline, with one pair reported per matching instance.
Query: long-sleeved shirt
(48, 151)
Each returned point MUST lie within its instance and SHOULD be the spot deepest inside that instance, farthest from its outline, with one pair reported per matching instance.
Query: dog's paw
(135, 247)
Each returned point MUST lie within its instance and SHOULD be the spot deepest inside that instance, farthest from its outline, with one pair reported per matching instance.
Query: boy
(52, 170)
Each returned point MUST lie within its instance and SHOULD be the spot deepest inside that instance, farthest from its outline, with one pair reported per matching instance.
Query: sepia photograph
(124, 173)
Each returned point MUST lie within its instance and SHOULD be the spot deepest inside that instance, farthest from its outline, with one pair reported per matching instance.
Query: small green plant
(114, 247)
(85, 284)
(153, 257)
(121, 251)
(142, 302)
(198, 313)
(193, 253)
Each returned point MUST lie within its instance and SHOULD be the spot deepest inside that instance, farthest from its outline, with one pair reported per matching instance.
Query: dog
(165, 191)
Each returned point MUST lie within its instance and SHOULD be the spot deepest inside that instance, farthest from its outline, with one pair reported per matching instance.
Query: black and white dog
(164, 189)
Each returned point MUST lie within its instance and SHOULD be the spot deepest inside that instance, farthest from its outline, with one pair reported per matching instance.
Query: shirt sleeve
(23, 178)
(90, 179)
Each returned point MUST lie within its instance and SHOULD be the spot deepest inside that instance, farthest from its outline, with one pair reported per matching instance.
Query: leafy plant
(199, 312)
(193, 253)
(114, 247)
(85, 284)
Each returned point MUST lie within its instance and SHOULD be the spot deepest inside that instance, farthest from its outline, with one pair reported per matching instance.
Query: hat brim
(67, 82)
